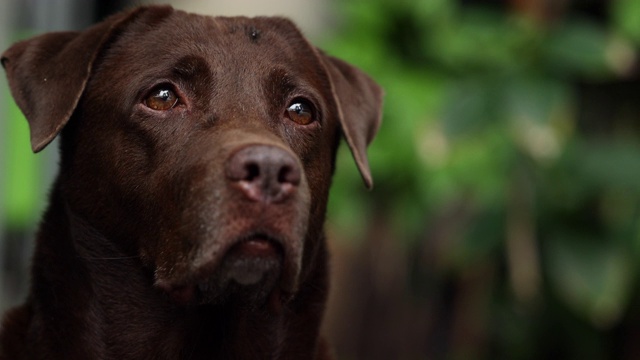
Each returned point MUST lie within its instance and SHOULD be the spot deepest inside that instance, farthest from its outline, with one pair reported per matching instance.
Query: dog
(186, 220)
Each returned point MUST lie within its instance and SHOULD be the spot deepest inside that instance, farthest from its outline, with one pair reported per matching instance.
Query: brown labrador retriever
(186, 221)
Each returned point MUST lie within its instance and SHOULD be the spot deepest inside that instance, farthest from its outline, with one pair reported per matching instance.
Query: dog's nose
(264, 173)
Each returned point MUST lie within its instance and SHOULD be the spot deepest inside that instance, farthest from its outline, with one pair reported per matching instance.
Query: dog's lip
(256, 245)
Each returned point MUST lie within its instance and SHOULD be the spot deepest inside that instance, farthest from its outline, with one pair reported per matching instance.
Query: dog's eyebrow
(190, 66)
(195, 71)
(280, 82)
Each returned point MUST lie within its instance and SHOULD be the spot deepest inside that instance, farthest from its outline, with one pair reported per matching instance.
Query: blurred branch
(521, 246)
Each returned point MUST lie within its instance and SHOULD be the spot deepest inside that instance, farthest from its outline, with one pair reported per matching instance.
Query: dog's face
(161, 136)
(204, 146)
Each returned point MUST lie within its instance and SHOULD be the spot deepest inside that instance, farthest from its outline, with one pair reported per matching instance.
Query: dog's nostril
(283, 174)
(253, 171)
(288, 175)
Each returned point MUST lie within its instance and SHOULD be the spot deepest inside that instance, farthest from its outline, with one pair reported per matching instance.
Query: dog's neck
(112, 293)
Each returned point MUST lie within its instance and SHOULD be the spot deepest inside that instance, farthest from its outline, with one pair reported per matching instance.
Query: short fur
(131, 253)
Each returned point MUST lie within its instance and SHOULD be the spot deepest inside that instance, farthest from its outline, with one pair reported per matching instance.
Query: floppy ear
(359, 102)
(47, 74)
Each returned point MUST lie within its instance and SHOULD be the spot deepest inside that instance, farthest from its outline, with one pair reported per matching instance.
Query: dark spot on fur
(254, 34)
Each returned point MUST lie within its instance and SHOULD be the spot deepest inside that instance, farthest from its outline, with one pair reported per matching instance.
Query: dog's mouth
(253, 271)
(253, 261)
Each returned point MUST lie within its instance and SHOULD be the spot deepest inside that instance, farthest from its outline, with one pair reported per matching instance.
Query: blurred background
(505, 219)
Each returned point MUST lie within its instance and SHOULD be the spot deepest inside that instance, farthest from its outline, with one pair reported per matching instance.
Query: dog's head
(205, 146)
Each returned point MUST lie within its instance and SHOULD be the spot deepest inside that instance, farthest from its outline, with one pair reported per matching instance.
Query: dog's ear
(47, 74)
(359, 101)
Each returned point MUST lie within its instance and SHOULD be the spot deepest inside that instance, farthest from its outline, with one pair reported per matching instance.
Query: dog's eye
(300, 112)
(161, 98)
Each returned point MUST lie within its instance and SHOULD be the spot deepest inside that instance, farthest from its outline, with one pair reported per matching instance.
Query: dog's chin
(249, 272)
(248, 275)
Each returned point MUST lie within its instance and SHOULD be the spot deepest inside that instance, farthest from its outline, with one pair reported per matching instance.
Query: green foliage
(22, 174)
(625, 14)
(476, 96)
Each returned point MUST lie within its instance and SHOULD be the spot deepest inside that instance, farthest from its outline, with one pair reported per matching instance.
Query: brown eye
(301, 113)
(161, 99)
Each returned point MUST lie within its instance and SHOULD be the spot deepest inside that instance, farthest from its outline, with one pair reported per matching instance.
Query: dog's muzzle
(260, 250)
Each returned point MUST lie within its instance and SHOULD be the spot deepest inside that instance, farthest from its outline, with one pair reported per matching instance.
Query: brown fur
(132, 259)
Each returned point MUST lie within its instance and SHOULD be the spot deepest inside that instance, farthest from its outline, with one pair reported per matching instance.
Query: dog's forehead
(225, 42)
